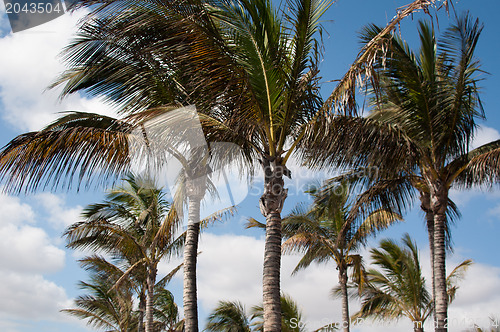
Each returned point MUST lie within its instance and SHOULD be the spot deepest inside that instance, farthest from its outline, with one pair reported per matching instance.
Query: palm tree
(106, 307)
(165, 311)
(422, 124)
(135, 282)
(251, 72)
(319, 233)
(110, 306)
(138, 226)
(231, 316)
(397, 288)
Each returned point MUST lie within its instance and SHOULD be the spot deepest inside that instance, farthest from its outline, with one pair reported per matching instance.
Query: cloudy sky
(38, 276)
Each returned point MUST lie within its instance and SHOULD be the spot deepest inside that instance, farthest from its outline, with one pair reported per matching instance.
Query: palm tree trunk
(190, 255)
(271, 204)
(439, 200)
(142, 311)
(151, 280)
(345, 298)
(429, 219)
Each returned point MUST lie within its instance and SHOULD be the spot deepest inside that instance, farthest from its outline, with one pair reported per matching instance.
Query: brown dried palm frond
(78, 147)
(343, 96)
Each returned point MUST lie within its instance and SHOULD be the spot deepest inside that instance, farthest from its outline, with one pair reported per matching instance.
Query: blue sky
(38, 276)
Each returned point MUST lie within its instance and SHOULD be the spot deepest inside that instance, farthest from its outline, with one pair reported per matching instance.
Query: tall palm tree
(422, 125)
(231, 316)
(397, 288)
(136, 225)
(250, 71)
(319, 233)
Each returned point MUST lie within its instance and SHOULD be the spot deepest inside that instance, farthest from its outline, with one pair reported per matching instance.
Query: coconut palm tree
(250, 69)
(232, 316)
(396, 287)
(100, 146)
(319, 233)
(110, 306)
(135, 224)
(106, 307)
(422, 124)
(228, 316)
(166, 312)
(136, 282)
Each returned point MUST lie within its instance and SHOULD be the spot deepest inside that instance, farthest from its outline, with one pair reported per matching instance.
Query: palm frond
(90, 148)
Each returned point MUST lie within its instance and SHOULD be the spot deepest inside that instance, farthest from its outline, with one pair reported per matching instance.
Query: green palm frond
(396, 287)
(456, 275)
(375, 50)
(479, 167)
(228, 317)
(292, 318)
(166, 312)
(104, 308)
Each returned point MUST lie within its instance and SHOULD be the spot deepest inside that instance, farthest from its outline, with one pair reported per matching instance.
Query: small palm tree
(396, 287)
(165, 311)
(106, 307)
(110, 307)
(231, 316)
(228, 317)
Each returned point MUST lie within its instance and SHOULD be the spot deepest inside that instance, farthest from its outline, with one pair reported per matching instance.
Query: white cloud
(59, 215)
(26, 254)
(28, 249)
(14, 212)
(30, 62)
(230, 268)
(495, 211)
(30, 297)
(484, 135)
(478, 297)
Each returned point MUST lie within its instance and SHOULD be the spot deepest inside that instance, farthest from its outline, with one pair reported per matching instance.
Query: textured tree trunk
(439, 201)
(190, 257)
(151, 280)
(271, 204)
(142, 311)
(345, 298)
(425, 200)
